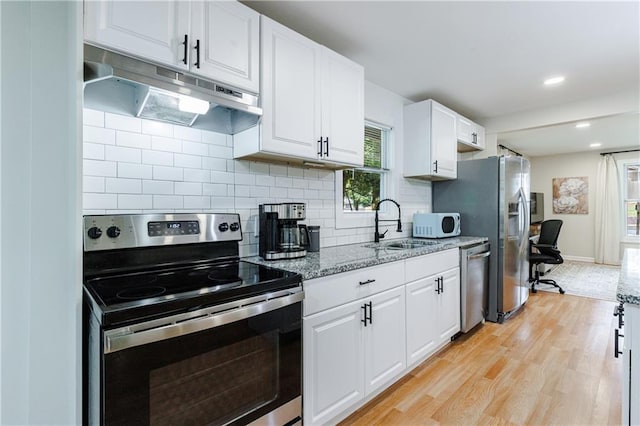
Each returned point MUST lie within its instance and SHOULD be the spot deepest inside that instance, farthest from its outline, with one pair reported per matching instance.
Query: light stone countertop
(334, 260)
(629, 284)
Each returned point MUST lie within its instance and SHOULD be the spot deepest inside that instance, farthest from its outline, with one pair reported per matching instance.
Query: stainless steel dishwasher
(474, 283)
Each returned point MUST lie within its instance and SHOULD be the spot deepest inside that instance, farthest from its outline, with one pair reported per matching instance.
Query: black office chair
(547, 253)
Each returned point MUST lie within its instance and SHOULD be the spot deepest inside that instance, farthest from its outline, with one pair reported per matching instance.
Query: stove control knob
(235, 226)
(94, 232)
(223, 227)
(113, 231)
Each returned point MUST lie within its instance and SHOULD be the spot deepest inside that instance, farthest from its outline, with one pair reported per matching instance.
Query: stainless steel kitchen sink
(400, 245)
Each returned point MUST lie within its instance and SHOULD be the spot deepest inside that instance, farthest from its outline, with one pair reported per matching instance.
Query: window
(631, 199)
(362, 188)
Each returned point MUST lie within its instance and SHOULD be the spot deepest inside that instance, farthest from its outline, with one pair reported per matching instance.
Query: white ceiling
(485, 59)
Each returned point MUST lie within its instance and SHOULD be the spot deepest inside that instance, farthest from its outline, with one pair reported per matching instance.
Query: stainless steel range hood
(124, 85)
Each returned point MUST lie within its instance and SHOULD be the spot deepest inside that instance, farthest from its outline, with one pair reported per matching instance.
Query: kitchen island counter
(337, 259)
(629, 284)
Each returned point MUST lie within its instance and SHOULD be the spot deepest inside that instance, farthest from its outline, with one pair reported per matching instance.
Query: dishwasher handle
(479, 255)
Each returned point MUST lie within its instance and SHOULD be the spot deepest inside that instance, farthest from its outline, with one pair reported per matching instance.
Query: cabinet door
(480, 133)
(443, 141)
(342, 109)
(333, 362)
(290, 92)
(385, 343)
(150, 30)
(229, 41)
(448, 306)
(464, 130)
(421, 321)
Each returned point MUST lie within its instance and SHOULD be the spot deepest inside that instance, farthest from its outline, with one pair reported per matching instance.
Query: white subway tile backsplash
(215, 189)
(222, 203)
(220, 151)
(245, 203)
(99, 168)
(265, 180)
(168, 202)
(242, 191)
(93, 151)
(157, 158)
(167, 173)
(161, 143)
(222, 177)
(311, 174)
(284, 182)
(133, 140)
(299, 183)
(134, 171)
(99, 201)
(99, 135)
(160, 187)
(277, 170)
(215, 138)
(120, 153)
(197, 175)
(245, 179)
(92, 184)
(92, 117)
(188, 188)
(123, 186)
(315, 184)
(122, 122)
(191, 202)
(195, 148)
(157, 128)
(187, 133)
(295, 172)
(326, 195)
(311, 194)
(134, 201)
(259, 168)
(185, 160)
(278, 193)
(296, 193)
(217, 164)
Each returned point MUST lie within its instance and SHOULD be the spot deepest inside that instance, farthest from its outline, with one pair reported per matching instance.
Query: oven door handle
(203, 319)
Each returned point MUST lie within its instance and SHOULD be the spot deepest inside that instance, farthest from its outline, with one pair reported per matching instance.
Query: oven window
(218, 386)
(231, 374)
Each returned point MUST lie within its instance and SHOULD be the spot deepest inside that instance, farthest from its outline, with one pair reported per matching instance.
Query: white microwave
(436, 225)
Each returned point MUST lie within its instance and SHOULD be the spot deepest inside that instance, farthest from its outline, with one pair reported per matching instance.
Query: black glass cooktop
(133, 296)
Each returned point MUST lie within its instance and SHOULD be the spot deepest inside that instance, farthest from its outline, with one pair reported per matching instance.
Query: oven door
(243, 364)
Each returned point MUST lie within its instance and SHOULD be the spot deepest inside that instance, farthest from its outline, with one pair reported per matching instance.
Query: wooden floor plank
(552, 363)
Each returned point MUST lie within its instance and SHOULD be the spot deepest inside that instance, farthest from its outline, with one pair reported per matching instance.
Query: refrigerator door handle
(524, 238)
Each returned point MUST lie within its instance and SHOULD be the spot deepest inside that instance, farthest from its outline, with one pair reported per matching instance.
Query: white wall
(577, 236)
(134, 165)
(40, 289)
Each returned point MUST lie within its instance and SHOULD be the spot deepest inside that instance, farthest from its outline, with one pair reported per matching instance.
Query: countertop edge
(339, 259)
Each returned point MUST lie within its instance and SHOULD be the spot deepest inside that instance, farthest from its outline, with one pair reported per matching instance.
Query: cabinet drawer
(334, 290)
(430, 264)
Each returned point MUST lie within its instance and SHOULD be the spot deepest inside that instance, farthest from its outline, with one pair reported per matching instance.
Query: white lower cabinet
(433, 302)
(362, 329)
(351, 351)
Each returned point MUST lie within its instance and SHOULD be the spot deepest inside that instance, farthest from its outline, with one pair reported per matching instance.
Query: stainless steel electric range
(179, 330)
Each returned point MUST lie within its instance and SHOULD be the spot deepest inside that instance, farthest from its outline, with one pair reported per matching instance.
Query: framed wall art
(571, 195)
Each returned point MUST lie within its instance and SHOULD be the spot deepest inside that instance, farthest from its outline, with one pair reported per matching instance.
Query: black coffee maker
(281, 237)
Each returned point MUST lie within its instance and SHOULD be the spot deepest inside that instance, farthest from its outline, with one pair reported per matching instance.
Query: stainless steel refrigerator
(492, 197)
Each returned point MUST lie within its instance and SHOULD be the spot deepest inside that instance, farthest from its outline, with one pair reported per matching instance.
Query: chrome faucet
(377, 235)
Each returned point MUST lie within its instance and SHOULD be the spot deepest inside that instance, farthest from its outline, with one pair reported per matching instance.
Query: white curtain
(608, 212)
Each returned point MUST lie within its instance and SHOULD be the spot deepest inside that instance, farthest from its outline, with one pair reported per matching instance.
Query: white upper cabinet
(215, 39)
(312, 101)
(469, 134)
(229, 37)
(148, 30)
(430, 136)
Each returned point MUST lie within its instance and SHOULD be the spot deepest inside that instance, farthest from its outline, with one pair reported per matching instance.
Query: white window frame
(623, 193)
(360, 219)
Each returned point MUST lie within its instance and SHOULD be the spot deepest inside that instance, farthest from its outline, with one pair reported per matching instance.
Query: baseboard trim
(580, 259)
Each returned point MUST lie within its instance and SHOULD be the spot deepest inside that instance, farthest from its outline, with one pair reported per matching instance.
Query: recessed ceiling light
(595, 145)
(553, 81)
(583, 124)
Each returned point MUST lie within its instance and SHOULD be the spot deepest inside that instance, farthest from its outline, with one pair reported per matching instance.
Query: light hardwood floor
(552, 363)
